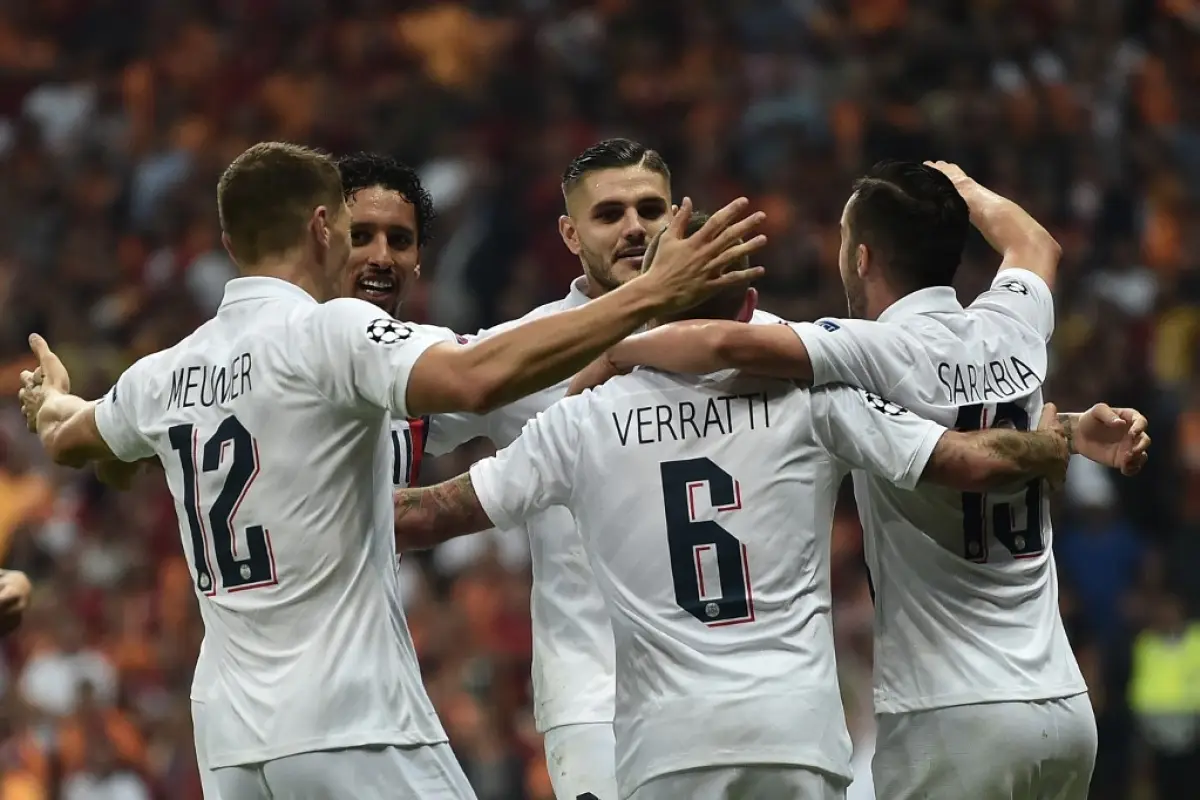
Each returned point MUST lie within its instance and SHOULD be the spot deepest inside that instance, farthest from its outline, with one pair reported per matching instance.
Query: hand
(32, 396)
(15, 589)
(594, 374)
(954, 172)
(49, 378)
(1051, 425)
(1115, 437)
(689, 269)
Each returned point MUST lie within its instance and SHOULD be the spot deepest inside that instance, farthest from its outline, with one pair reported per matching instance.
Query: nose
(633, 228)
(378, 252)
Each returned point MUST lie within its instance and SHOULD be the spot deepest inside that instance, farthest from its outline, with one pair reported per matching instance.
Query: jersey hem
(374, 739)
(759, 758)
(566, 721)
(884, 705)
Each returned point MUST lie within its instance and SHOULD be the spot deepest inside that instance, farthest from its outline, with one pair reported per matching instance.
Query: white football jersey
(705, 506)
(272, 424)
(966, 594)
(573, 678)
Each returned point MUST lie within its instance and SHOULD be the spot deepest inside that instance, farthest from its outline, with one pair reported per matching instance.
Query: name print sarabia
(209, 385)
(968, 384)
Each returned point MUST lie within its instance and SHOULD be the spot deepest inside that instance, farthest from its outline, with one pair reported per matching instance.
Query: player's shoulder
(760, 317)
(543, 310)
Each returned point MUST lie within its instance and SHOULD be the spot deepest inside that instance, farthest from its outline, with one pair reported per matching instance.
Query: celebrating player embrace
(705, 506)
(977, 691)
(272, 424)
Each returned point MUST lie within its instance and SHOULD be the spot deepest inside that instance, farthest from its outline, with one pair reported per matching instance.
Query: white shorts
(743, 783)
(208, 778)
(359, 773)
(989, 751)
(581, 760)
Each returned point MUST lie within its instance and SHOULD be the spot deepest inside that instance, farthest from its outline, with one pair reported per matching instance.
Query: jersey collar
(260, 288)
(923, 301)
(575, 298)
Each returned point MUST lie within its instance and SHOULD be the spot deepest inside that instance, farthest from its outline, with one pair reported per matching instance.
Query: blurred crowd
(117, 116)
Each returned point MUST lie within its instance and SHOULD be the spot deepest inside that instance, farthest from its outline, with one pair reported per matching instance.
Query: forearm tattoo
(1025, 452)
(440, 512)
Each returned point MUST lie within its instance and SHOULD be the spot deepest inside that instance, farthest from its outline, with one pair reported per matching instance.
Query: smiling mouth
(377, 288)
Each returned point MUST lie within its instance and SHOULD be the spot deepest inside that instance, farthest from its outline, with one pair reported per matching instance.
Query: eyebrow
(604, 205)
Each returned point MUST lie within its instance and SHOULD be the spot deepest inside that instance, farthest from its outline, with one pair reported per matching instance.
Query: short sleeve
(1021, 295)
(448, 431)
(872, 355)
(118, 414)
(535, 471)
(358, 357)
(866, 432)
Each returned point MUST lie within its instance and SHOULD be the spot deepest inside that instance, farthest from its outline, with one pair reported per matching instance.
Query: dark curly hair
(364, 170)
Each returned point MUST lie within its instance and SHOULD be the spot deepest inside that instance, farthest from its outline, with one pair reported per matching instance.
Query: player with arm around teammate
(618, 198)
(977, 691)
(705, 505)
(272, 425)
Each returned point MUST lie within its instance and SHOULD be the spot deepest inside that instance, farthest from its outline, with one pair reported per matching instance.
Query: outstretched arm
(496, 370)
(697, 347)
(982, 461)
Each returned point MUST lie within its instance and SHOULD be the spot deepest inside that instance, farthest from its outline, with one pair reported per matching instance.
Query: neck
(592, 289)
(290, 268)
(880, 301)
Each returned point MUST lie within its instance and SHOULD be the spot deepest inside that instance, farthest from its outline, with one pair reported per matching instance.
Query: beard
(856, 298)
(599, 271)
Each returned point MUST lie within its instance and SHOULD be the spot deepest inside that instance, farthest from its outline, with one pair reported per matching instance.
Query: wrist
(648, 295)
(1068, 423)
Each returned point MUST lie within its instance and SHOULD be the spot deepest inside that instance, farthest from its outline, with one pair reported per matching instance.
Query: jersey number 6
(1022, 540)
(693, 544)
(231, 441)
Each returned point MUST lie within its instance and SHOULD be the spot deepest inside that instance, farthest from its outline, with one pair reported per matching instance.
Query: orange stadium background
(116, 116)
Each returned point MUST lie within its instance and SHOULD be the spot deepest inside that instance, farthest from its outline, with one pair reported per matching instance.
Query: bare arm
(428, 516)
(502, 368)
(697, 347)
(1009, 229)
(66, 425)
(982, 461)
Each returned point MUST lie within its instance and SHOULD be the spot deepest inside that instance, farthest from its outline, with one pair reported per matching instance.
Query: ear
(862, 260)
(417, 271)
(569, 234)
(227, 244)
(749, 305)
(319, 225)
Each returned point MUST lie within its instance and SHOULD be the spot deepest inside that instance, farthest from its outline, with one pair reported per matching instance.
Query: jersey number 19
(1023, 540)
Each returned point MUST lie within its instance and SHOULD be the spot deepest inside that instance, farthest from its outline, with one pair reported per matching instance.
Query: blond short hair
(268, 194)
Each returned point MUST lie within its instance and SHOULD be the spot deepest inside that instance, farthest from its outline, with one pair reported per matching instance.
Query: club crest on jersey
(884, 406)
(388, 331)
(1014, 286)
(828, 325)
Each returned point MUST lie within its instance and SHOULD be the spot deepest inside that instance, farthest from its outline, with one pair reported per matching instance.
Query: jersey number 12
(692, 542)
(1023, 540)
(212, 517)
